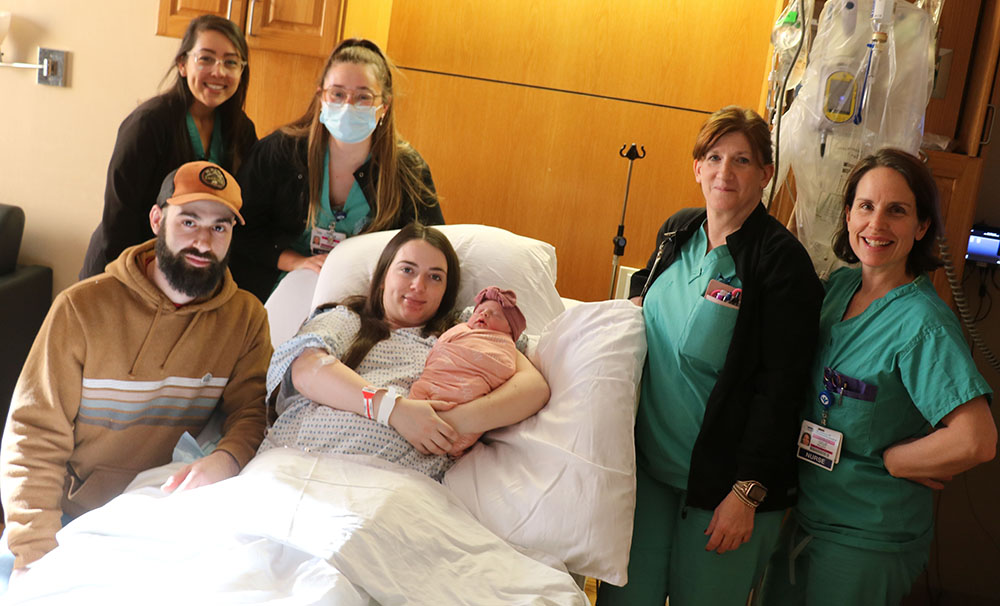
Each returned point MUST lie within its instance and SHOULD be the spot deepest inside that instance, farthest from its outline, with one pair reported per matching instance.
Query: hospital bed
(520, 519)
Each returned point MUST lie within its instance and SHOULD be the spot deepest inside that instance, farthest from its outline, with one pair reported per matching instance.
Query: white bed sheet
(292, 528)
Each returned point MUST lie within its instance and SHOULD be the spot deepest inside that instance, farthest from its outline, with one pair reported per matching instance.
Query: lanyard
(832, 383)
(354, 216)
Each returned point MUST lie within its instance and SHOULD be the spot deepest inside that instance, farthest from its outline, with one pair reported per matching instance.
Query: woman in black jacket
(731, 304)
(199, 118)
(338, 171)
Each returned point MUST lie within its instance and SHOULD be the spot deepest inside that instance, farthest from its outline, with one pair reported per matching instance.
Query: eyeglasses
(205, 62)
(339, 96)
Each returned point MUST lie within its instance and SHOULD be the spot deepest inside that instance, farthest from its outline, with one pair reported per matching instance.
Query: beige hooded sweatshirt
(116, 375)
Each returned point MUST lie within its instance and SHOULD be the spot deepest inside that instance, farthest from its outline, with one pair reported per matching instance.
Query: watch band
(744, 489)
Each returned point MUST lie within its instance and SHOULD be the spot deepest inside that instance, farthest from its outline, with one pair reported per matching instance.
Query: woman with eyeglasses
(338, 171)
(199, 118)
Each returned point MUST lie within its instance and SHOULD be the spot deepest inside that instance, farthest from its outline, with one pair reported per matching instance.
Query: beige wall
(55, 142)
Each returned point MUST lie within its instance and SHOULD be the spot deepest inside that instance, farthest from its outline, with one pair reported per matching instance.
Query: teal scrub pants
(823, 573)
(668, 554)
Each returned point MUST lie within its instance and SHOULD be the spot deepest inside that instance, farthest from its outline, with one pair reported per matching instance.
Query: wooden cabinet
(176, 14)
(301, 27)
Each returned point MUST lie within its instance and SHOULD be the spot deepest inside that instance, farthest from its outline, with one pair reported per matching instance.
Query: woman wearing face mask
(199, 118)
(338, 171)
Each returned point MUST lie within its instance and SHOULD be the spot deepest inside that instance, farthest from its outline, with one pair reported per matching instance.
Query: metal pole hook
(632, 153)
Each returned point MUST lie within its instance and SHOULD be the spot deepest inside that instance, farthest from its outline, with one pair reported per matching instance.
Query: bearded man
(128, 360)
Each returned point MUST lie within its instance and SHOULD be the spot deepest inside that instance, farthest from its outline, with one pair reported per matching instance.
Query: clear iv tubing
(963, 308)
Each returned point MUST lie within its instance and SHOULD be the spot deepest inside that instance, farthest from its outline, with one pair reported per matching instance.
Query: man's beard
(192, 281)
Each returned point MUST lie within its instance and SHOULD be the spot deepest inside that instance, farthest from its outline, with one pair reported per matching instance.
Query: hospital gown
(303, 424)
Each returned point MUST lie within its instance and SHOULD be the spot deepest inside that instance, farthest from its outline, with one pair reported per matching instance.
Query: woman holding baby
(343, 381)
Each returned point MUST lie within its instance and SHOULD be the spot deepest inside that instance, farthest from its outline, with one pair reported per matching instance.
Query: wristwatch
(751, 492)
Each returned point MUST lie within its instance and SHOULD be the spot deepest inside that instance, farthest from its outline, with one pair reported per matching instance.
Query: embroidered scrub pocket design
(708, 332)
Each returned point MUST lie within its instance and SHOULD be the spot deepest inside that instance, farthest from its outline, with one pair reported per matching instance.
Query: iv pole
(632, 154)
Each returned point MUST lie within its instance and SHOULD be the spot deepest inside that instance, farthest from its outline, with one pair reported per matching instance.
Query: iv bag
(824, 133)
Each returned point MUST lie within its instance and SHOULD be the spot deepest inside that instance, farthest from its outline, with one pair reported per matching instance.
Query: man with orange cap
(129, 360)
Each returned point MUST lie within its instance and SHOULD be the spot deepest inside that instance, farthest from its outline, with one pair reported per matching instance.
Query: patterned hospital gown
(396, 361)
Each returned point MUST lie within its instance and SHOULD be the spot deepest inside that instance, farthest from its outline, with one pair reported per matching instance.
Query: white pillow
(489, 256)
(563, 481)
(289, 304)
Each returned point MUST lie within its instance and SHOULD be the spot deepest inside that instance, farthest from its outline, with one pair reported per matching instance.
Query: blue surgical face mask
(348, 123)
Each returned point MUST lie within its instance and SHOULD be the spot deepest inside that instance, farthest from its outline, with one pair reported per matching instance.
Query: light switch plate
(57, 67)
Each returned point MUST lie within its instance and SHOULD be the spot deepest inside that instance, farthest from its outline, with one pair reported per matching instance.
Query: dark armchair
(25, 295)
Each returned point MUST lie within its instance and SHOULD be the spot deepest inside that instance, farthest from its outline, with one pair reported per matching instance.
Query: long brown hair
(231, 111)
(398, 170)
(370, 308)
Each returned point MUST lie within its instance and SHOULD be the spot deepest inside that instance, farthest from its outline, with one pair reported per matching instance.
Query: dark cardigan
(751, 417)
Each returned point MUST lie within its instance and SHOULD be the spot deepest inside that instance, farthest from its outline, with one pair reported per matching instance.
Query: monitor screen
(984, 245)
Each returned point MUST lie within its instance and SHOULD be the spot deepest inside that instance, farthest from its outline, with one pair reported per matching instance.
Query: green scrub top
(687, 340)
(350, 221)
(909, 345)
(215, 151)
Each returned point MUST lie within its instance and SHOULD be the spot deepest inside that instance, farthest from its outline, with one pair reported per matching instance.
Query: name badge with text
(819, 445)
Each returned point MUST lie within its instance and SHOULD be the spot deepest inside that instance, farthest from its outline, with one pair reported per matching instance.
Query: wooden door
(176, 14)
(957, 176)
(302, 27)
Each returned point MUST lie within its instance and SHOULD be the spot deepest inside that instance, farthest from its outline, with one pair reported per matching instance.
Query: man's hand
(216, 467)
(731, 525)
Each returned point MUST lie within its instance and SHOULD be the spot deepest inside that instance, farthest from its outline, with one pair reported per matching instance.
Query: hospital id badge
(324, 240)
(819, 445)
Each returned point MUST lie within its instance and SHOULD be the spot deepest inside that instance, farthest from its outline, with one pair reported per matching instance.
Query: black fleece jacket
(751, 417)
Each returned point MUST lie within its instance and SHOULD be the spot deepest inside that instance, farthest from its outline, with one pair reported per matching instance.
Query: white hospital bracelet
(386, 405)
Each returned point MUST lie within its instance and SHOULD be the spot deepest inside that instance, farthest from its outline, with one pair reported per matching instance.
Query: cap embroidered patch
(213, 177)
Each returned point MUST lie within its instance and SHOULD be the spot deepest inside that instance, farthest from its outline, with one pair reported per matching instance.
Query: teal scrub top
(909, 345)
(687, 340)
(215, 151)
(350, 221)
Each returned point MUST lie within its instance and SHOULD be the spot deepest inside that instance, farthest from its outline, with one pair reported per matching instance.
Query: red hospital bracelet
(368, 393)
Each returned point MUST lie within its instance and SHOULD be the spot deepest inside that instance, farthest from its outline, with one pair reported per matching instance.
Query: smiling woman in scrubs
(893, 389)
(731, 304)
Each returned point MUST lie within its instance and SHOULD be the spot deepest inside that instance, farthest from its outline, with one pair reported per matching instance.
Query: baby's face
(489, 314)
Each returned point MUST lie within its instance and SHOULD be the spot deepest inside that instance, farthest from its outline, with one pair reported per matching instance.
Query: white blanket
(292, 528)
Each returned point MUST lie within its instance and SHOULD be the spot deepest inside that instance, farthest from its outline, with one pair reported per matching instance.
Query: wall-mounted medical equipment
(51, 64)
(984, 245)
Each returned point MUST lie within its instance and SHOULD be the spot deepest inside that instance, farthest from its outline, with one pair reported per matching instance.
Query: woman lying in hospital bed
(351, 365)
(557, 488)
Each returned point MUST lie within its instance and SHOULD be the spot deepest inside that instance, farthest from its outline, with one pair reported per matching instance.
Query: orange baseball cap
(201, 180)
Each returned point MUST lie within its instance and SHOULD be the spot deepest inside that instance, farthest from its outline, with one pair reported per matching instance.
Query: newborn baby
(472, 359)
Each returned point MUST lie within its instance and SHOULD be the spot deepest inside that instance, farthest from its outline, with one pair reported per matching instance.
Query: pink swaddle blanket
(466, 363)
